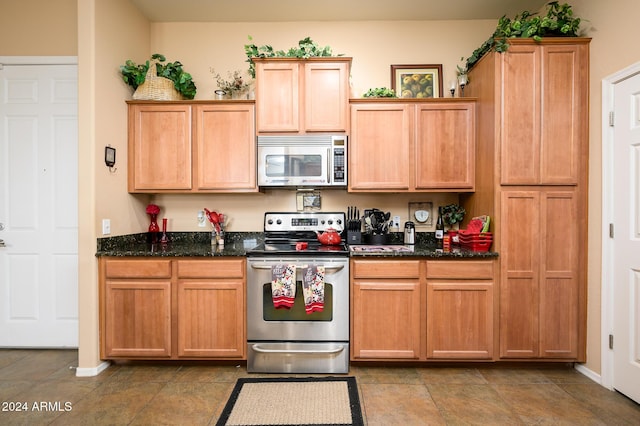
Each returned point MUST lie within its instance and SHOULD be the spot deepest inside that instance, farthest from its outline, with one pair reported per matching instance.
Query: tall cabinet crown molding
(532, 179)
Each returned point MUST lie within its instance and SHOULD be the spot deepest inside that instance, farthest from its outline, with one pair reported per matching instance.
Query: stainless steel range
(308, 332)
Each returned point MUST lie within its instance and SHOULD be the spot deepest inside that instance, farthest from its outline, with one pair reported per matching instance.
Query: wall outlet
(202, 222)
(106, 226)
(396, 222)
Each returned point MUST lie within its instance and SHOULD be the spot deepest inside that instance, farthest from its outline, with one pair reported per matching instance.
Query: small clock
(421, 216)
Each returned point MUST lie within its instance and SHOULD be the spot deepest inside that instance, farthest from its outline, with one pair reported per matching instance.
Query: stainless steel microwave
(302, 161)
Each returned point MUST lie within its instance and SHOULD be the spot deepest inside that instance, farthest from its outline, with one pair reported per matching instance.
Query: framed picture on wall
(417, 81)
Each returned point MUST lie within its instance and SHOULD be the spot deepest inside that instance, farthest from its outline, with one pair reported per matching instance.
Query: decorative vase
(164, 239)
(154, 228)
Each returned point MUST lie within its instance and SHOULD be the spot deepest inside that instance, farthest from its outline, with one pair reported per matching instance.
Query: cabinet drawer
(223, 268)
(138, 268)
(386, 269)
(460, 269)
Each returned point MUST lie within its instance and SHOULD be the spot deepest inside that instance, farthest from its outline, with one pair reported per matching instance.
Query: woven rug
(293, 401)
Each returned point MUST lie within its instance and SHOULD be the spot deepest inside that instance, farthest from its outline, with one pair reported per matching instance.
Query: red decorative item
(152, 211)
(164, 239)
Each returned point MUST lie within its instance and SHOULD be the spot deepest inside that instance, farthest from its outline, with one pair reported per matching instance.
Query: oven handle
(326, 268)
(257, 348)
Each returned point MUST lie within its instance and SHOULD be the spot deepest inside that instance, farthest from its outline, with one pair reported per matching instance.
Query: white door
(38, 205)
(626, 241)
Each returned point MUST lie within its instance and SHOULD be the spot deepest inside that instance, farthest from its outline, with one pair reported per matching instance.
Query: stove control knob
(270, 221)
(330, 222)
(279, 221)
(322, 222)
(339, 221)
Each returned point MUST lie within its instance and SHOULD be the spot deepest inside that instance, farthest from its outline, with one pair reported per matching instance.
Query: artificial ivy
(558, 22)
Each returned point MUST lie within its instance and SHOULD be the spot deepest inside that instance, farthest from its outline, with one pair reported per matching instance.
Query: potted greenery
(235, 85)
(558, 22)
(136, 74)
(306, 48)
(380, 92)
(452, 214)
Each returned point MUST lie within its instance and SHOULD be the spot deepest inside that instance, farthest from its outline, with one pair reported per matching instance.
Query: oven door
(292, 341)
(266, 323)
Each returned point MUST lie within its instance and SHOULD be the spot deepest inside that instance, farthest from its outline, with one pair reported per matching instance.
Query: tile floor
(194, 394)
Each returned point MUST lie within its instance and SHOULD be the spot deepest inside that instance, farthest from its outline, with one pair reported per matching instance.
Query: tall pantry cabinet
(532, 170)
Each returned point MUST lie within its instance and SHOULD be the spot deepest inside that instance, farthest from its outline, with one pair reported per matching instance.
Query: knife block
(354, 237)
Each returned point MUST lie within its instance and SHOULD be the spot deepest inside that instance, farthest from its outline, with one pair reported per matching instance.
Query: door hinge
(611, 230)
(612, 117)
(611, 341)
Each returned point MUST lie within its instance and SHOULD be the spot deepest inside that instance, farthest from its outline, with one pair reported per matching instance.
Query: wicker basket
(156, 88)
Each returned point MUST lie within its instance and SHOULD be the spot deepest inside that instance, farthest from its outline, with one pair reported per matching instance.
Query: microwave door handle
(326, 268)
(329, 165)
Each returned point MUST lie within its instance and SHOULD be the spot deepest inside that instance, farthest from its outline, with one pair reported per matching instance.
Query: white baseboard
(93, 371)
(589, 373)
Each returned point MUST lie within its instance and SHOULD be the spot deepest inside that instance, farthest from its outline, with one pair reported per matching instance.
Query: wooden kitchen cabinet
(192, 146)
(545, 112)
(532, 179)
(540, 290)
(159, 147)
(410, 146)
(136, 309)
(299, 96)
(181, 308)
(225, 149)
(211, 308)
(460, 309)
(385, 309)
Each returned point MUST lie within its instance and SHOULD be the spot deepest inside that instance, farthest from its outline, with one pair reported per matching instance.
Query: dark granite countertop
(181, 244)
(198, 244)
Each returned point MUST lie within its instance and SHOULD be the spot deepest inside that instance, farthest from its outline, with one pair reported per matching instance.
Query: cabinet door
(539, 286)
(445, 138)
(159, 147)
(326, 96)
(211, 318)
(520, 136)
(459, 319)
(565, 118)
(460, 314)
(278, 96)
(379, 157)
(137, 318)
(559, 283)
(225, 154)
(520, 274)
(385, 310)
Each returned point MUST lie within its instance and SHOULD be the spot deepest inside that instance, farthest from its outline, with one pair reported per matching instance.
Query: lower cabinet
(460, 314)
(385, 309)
(422, 310)
(168, 308)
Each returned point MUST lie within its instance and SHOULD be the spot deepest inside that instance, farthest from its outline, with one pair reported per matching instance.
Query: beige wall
(112, 30)
(38, 28)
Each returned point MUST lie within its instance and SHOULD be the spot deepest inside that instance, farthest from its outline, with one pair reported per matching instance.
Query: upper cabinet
(402, 145)
(192, 146)
(545, 112)
(298, 96)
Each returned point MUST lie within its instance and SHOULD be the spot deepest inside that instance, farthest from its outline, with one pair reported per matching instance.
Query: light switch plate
(106, 226)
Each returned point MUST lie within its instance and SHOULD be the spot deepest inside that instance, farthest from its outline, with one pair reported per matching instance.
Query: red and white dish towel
(283, 287)
(313, 288)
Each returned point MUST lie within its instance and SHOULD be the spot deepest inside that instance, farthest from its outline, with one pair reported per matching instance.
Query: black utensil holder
(354, 237)
(377, 239)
